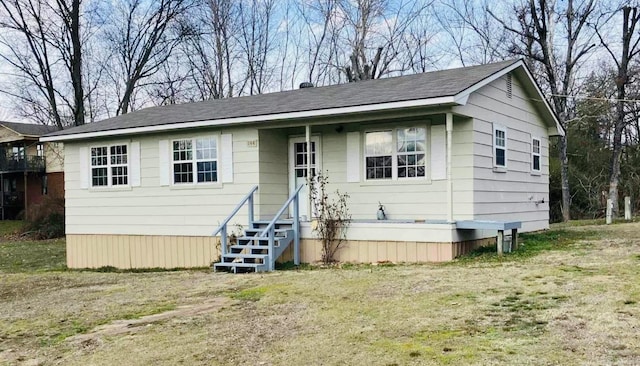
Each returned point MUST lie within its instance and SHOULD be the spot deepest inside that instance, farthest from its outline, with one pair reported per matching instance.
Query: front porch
(406, 163)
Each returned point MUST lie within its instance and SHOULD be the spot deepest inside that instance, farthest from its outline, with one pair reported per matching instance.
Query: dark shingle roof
(396, 89)
(28, 129)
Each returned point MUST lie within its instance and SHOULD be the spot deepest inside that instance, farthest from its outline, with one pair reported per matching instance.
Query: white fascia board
(254, 119)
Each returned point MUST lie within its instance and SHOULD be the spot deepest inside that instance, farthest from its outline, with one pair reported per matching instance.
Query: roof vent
(306, 85)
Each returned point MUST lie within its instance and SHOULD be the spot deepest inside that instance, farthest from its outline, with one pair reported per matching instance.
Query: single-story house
(29, 170)
(452, 156)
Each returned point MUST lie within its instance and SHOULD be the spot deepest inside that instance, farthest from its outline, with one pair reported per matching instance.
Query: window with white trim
(535, 155)
(109, 166)
(396, 154)
(195, 160)
(499, 146)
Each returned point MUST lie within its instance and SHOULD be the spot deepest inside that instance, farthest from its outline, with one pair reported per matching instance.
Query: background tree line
(70, 62)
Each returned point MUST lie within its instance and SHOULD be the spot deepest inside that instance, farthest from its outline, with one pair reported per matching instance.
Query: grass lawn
(569, 297)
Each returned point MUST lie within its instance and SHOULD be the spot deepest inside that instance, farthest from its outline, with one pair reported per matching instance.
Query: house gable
(9, 135)
(514, 189)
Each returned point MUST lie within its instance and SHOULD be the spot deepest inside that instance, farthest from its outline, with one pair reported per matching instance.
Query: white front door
(298, 169)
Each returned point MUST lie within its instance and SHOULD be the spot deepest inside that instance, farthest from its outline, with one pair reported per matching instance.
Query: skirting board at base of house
(154, 251)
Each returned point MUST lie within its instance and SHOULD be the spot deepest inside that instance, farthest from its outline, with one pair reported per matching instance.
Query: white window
(109, 166)
(17, 153)
(379, 154)
(499, 146)
(535, 155)
(195, 160)
(396, 154)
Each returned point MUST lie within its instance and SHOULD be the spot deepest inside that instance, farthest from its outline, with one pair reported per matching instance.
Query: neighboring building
(443, 152)
(29, 169)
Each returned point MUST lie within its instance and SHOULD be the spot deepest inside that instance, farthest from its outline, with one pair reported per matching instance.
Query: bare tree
(539, 25)
(474, 36)
(50, 31)
(363, 39)
(375, 29)
(257, 43)
(630, 50)
(322, 28)
(210, 48)
(141, 39)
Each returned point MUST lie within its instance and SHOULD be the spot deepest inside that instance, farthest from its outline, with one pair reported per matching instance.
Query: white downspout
(449, 120)
(307, 131)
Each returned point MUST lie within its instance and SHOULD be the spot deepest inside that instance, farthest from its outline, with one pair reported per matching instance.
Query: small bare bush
(332, 217)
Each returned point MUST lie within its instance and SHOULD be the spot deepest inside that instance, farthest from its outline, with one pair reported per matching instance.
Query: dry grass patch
(569, 298)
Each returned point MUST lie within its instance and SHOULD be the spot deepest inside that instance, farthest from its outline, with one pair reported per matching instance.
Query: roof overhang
(429, 102)
(518, 67)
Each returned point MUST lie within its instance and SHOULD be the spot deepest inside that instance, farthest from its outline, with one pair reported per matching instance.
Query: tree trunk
(616, 154)
(76, 64)
(564, 179)
(630, 21)
(123, 108)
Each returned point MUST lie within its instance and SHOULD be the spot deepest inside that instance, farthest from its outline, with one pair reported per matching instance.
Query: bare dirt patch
(131, 326)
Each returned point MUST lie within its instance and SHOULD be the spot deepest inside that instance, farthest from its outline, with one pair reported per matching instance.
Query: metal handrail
(270, 229)
(222, 229)
(24, 163)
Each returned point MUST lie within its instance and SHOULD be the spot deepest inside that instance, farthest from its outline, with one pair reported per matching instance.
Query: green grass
(530, 245)
(566, 297)
(32, 256)
(590, 222)
(10, 227)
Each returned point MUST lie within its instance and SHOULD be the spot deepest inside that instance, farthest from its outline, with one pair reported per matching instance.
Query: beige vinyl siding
(152, 209)
(403, 199)
(509, 195)
(54, 156)
(7, 135)
(140, 251)
(273, 167)
(154, 251)
(372, 251)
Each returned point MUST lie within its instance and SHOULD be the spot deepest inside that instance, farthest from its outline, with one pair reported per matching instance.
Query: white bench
(501, 226)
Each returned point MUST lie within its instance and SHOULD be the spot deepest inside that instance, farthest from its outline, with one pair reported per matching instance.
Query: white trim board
(254, 119)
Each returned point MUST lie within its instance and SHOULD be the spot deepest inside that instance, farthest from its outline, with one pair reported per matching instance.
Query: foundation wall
(140, 251)
(147, 251)
(361, 251)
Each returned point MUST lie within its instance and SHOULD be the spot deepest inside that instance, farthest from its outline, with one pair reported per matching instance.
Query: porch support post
(500, 241)
(307, 131)
(26, 196)
(449, 120)
(2, 195)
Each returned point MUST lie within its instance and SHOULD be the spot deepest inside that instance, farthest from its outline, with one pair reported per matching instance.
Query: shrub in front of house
(45, 220)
